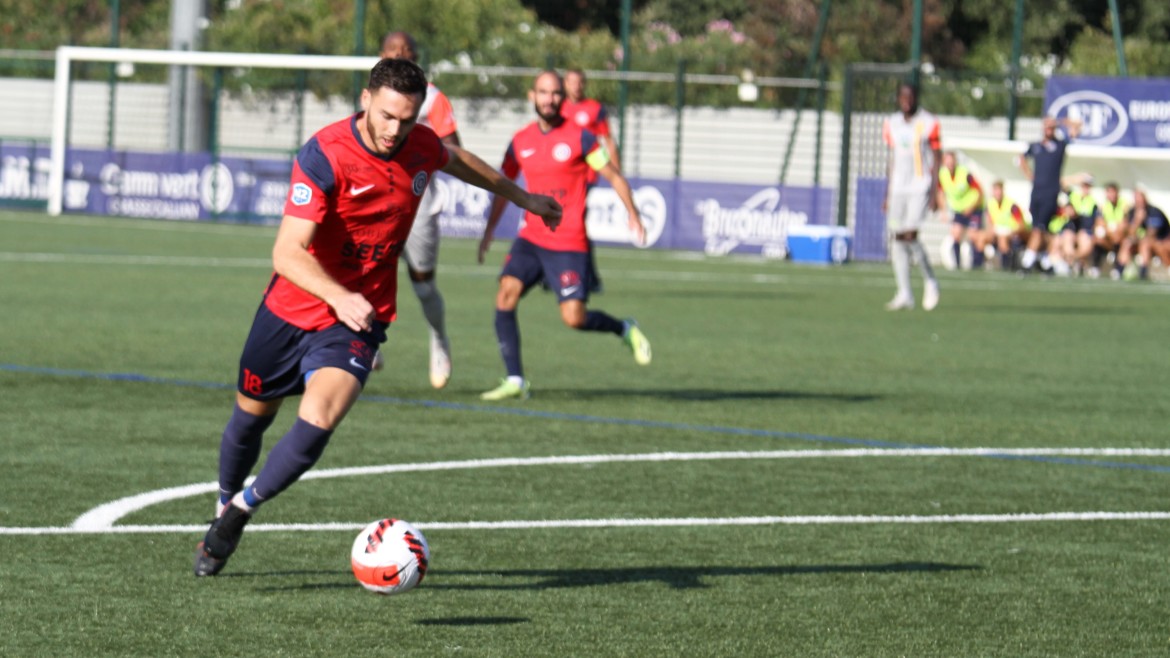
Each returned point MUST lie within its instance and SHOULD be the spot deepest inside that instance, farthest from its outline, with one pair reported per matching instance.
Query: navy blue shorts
(278, 356)
(567, 273)
(969, 220)
(1043, 209)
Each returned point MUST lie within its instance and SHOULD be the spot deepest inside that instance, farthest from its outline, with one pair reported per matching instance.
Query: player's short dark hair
(907, 84)
(400, 75)
(399, 33)
(545, 72)
(1112, 186)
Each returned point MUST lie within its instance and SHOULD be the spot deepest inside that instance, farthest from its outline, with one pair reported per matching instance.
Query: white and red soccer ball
(390, 556)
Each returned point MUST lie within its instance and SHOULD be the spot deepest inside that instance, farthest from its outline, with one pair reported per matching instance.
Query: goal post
(68, 55)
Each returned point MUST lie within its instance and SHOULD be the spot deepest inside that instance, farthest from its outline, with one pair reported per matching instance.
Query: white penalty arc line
(624, 523)
(103, 517)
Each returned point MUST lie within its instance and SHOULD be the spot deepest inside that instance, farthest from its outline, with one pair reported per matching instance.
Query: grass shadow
(472, 621)
(1060, 310)
(674, 577)
(702, 394)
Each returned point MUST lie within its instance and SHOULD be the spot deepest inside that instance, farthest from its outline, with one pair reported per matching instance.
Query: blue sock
(601, 321)
(957, 250)
(239, 449)
(293, 455)
(508, 335)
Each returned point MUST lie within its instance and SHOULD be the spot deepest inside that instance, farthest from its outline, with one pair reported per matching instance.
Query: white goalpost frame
(66, 55)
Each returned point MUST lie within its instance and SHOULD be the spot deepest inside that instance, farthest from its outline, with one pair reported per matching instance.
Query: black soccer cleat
(220, 541)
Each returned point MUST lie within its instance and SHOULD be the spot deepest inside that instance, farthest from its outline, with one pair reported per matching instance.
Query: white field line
(623, 523)
(103, 517)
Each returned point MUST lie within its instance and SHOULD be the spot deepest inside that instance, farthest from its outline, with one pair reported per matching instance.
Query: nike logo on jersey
(527, 153)
(357, 364)
(354, 191)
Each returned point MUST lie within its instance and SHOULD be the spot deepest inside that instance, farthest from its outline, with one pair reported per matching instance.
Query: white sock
(513, 379)
(900, 258)
(238, 501)
(432, 305)
(923, 262)
(1028, 259)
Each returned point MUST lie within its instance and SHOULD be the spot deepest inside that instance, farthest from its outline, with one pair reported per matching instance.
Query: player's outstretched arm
(622, 187)
(291, 259)
(469, 168)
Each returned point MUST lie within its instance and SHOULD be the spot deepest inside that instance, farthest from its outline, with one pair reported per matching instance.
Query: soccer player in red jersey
(422, 247)
(589, 114)
(555, 156)
(355, 188)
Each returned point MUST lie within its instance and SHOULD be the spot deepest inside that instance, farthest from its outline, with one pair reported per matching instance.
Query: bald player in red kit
(355, 188)
(555, 157)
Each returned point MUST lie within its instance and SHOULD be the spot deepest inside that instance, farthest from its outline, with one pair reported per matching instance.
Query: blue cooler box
(823, 245)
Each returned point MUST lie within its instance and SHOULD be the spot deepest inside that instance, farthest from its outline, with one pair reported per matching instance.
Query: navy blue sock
(239, 449)
(293, 455)
(957, 250)
(976, 258)
(601, 321)
(1005, 261)
(508, 335)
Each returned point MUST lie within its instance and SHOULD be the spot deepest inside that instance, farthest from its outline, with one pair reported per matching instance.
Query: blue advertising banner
(1114, 111)
(714, 218)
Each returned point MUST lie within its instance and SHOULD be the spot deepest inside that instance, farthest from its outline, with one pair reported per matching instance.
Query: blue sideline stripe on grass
(586, 418)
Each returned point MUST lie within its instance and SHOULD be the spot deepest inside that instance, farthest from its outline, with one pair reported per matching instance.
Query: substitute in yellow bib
(1110, 230)
(1009, 224)
(964, 199)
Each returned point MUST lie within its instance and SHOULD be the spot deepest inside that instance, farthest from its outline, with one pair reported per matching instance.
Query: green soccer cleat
(637, 342)
(507, 390)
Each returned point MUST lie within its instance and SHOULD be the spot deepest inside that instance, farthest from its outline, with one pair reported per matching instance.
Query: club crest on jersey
(419, 184)
(301, 194)
(562, 152)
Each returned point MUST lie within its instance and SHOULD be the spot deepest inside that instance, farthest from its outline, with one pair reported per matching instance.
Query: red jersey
(436, 112)
(365, 205)
(590, 115)
(553, 164)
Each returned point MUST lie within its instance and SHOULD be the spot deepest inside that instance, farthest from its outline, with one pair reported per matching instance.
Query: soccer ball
(390, 556)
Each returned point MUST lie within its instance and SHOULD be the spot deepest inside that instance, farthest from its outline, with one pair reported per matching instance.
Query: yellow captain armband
(598, 158)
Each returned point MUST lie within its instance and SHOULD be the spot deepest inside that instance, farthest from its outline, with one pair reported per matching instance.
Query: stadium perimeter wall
(739, 147)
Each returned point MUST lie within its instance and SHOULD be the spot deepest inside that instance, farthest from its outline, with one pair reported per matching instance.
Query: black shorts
(278, 356)
(567, 273)
(1043, 208)
(1160, 230)
(968, 220)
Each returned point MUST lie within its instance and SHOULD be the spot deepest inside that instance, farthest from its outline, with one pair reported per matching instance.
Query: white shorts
(906, 212)
(422, 246)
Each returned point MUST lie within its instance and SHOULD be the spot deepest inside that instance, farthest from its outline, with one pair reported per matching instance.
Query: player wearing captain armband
(555, 157)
